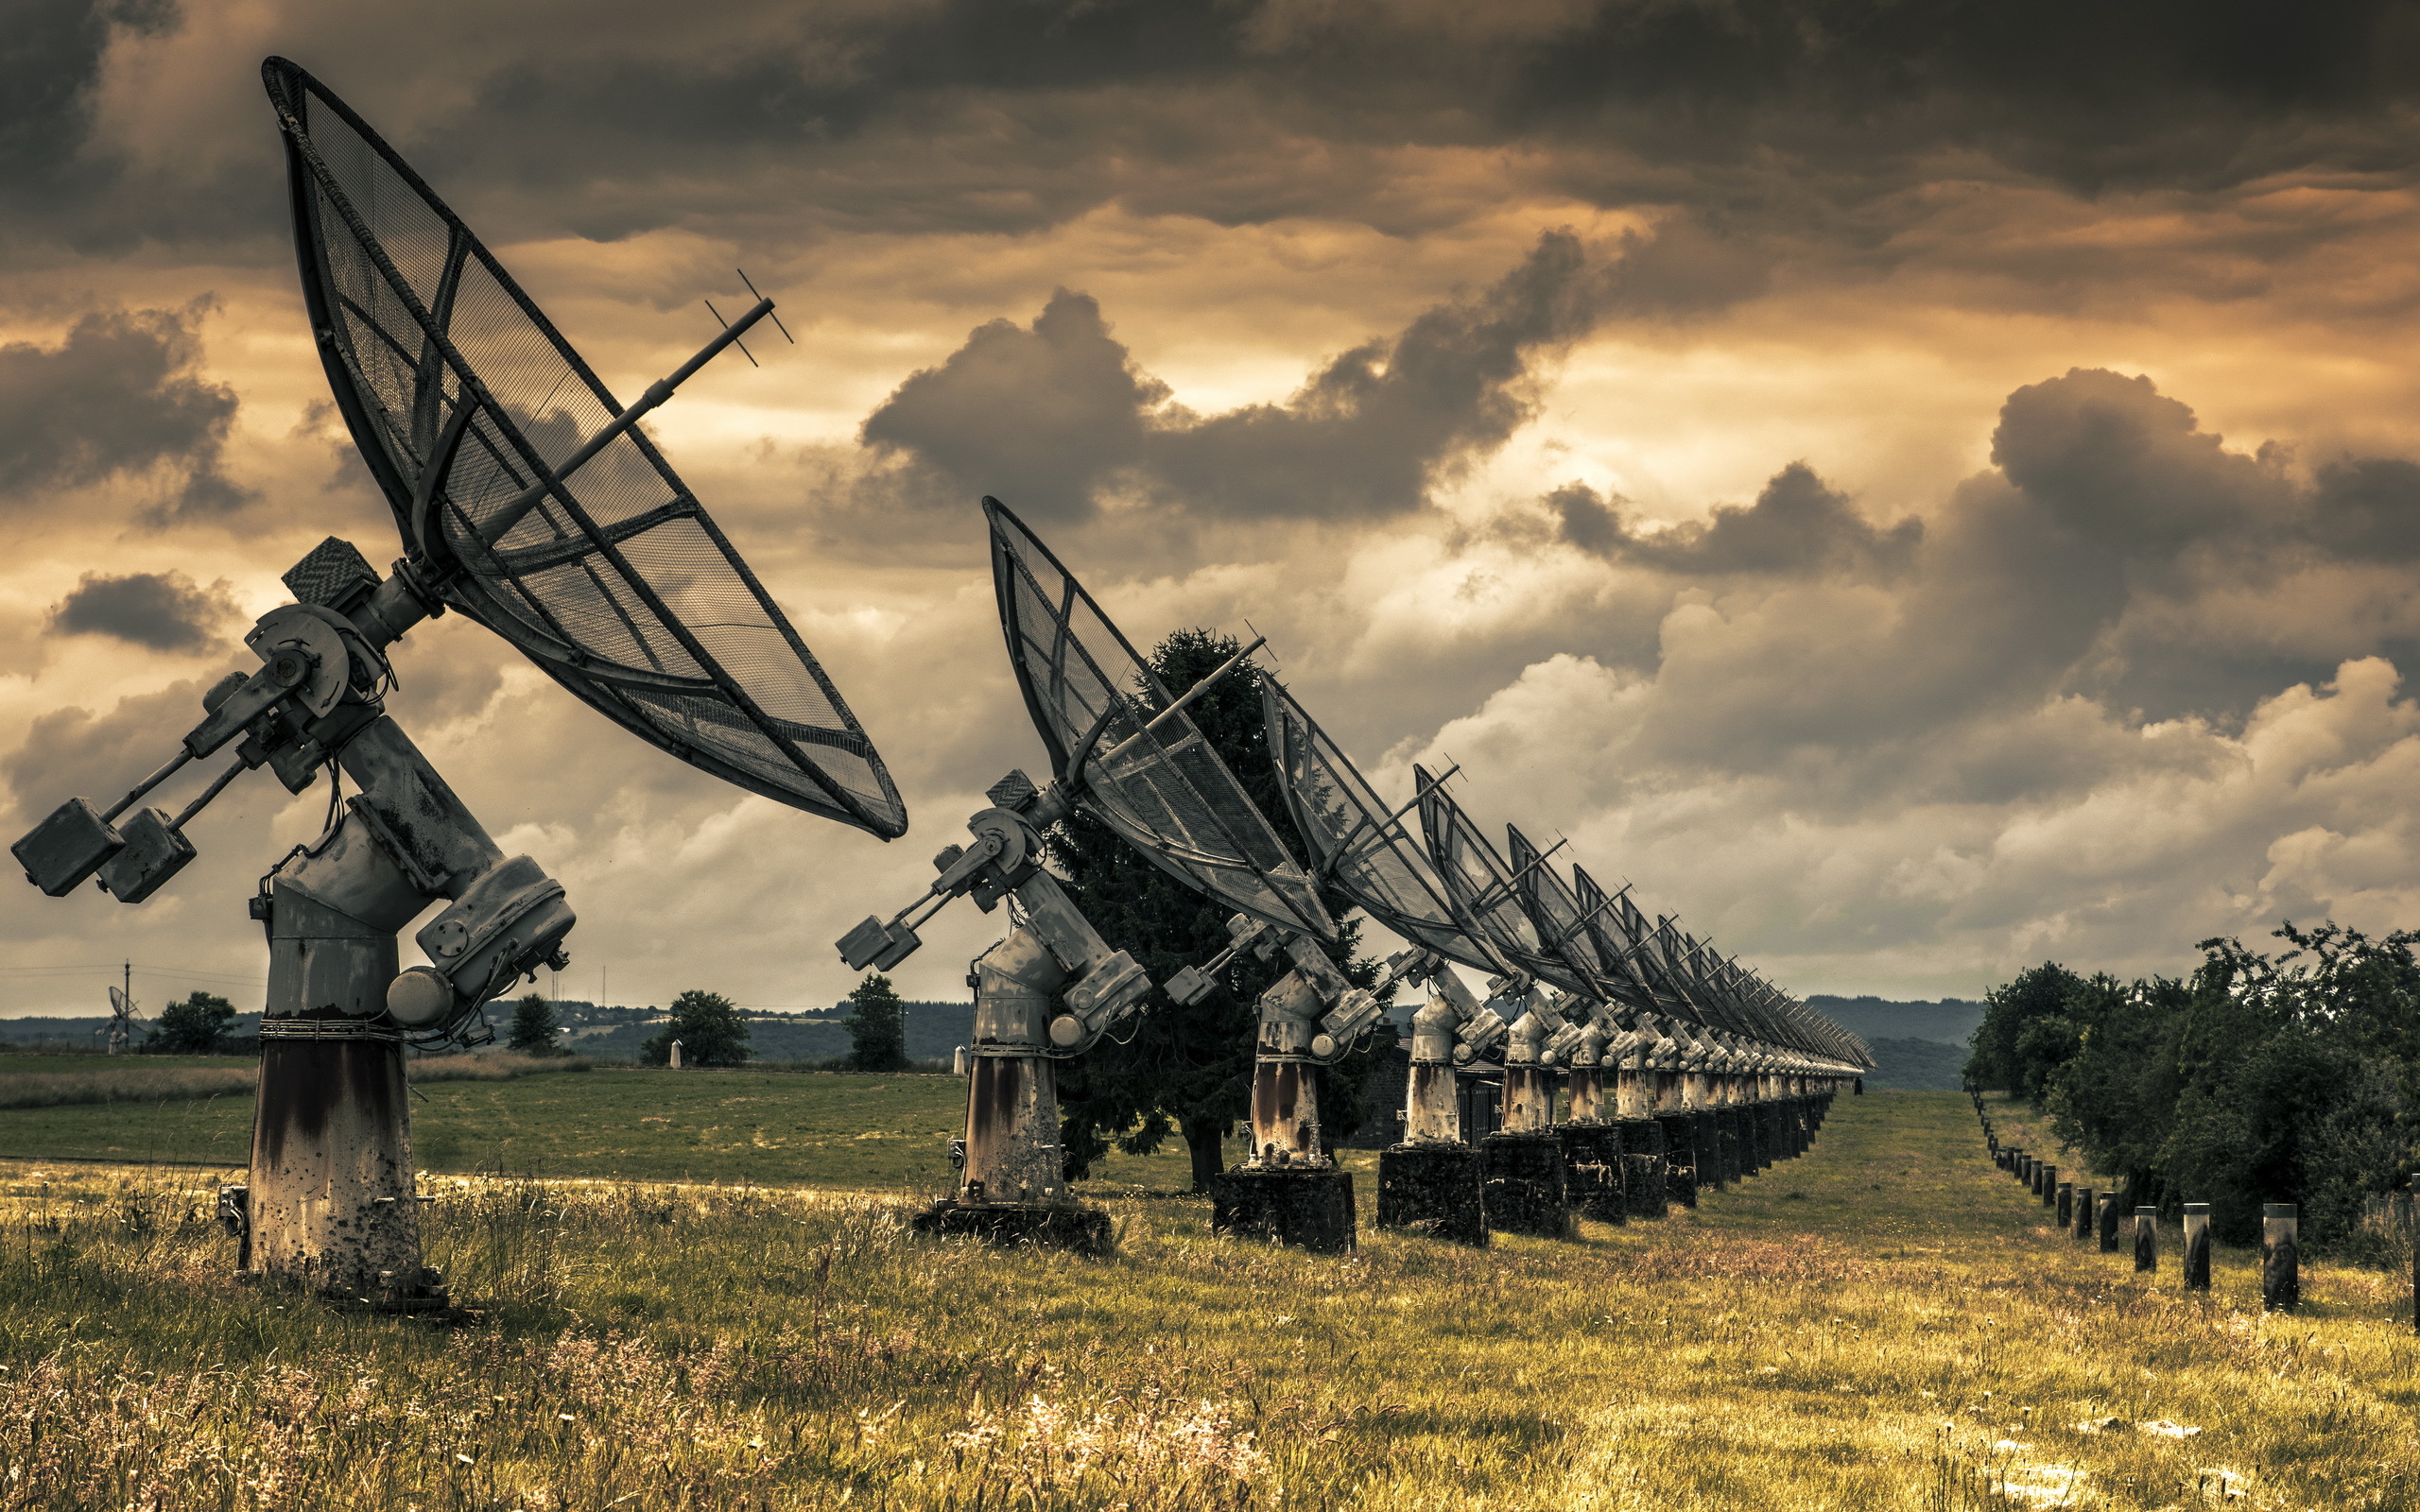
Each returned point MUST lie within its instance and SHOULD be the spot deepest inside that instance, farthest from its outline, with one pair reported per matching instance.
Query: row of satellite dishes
(527, 500)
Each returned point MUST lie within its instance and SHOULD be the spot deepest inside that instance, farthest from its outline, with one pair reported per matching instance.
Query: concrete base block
(1592, 1171)
(1642, 1167)
(1309, 1208)
(1432, 1190)
(1084, 1230)
(1522, 1184)
(1680, 1158)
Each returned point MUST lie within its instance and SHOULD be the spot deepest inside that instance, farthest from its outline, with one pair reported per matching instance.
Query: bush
(710, 1030)
(878, 1027)
(2286, 1078)
(196, 1026)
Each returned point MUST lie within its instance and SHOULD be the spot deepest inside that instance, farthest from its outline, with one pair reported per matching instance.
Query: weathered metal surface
(1286, 1114)
(2197, 1246)
(331, 1202)
(1432, 1111)
(1013, 1150)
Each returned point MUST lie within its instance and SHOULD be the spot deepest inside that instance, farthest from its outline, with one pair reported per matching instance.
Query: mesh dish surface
(461, 395)
(1155, 780)
(1358, 839)
(1482, 887)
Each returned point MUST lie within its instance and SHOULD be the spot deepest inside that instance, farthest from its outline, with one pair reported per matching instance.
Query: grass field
(1886, 1323)
(887, 1134)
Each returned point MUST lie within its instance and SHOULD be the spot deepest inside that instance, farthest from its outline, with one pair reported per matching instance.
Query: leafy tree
(1188, 1070)
(2003, 1057)
(878, 1024)
(193, 1028)
(2286, 1078)
(534, 1026)
(2116, 1097)
(710, 1030)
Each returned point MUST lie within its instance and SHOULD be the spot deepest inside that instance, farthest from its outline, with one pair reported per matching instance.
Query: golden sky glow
(1918, 490)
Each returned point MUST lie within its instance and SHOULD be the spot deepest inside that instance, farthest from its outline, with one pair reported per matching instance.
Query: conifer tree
(1188, 1071)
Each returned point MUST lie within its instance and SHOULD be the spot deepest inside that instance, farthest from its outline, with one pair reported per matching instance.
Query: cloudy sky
(1917, 488)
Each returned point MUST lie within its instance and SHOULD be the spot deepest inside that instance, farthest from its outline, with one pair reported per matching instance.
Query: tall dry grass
(1883, 1325)
(130, 1081)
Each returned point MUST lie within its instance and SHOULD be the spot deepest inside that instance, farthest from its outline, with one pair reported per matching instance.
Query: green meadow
(1887, 1322)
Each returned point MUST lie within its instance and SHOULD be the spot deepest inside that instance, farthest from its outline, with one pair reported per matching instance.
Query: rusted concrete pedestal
(330, 1201)
(1522, 1183)
(1679, 1158)
(1084, 1230)
(1592, 1171)
(1643, 1166)
(1312, 1207)
(1712, 1150)
(1433, 1190)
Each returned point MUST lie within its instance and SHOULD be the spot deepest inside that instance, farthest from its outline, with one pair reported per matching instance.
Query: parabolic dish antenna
(1484, 887)
(1561, 922)
(1361, 842)
(528, 498)
(1124, 748)
(1616, 952)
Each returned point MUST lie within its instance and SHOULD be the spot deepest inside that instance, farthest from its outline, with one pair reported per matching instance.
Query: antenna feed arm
(998, 862)
(1192, 984)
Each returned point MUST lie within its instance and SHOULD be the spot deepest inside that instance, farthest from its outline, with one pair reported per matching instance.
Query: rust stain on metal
(991, 1103)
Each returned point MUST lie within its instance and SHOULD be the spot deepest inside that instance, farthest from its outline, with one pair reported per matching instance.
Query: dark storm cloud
(62, 190)
(2115, 553)
(1056, 413)
(1043, 412)
(2110, 459)
(120, 397)
(166, 611)
(72, 751)
(1797, 526)
(1008, 116)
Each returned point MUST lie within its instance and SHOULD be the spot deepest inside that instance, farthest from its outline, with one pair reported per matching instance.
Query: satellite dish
(474, 414)
(1484, 888)
(527, 500)
(1563, 924)
(1362, 843)
(124, 1017)
(1123, 746)
(1123, 751)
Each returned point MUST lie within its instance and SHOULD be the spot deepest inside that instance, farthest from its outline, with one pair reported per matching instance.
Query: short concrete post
(2145, 1239)
(2084, 1213)
(2281, 1280)
(676, 1055)
(2109, 1223)
(2197, 1246)
(2066, 1205)
(2048, 1188)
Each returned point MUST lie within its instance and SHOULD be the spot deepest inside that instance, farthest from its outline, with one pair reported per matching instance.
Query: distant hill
(1915, 1066)
(1950, 1021)
(934, 1031)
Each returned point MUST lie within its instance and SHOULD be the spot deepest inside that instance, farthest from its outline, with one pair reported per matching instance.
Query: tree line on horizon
(2259, 1078)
